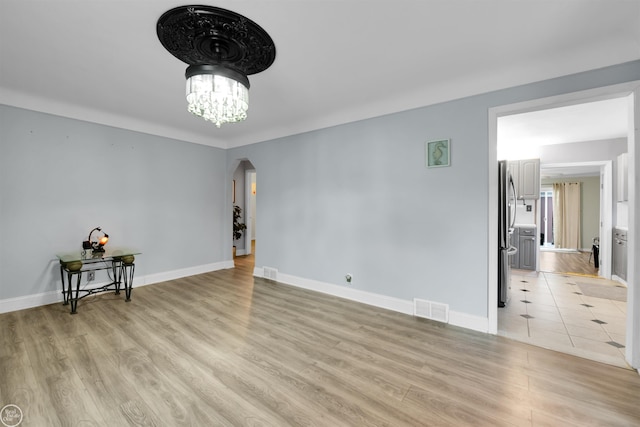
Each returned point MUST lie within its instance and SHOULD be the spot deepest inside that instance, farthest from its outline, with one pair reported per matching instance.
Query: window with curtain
(566, 215)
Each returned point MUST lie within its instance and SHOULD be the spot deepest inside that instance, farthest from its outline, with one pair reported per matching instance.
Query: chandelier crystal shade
(217, 98)
(221, 48)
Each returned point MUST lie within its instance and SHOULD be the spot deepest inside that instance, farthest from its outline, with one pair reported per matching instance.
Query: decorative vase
(128, 259)
(72, 265)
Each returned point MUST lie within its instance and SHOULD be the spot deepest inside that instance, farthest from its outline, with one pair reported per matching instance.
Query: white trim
(606, 221)
(376, 300)
(606, 206)
(460, 319)
(632, 341)
(620, 280)
(248, 211)
(50, 106)
(469, 321)
(30, 301)
(492, 226)
(183, 272)
(52, 297)
(399, 305)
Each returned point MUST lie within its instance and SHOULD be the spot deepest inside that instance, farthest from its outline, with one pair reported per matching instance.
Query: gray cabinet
(527, 248)
(514, 239)
(525, 240)
(619, 260)
(526, 177)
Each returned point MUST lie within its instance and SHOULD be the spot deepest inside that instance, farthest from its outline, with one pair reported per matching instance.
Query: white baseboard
(460, 319)
(150, 279)
(464, 320)
(52, 297)
(30, 301)
(619, 279)
(376, 300)
(469, 321)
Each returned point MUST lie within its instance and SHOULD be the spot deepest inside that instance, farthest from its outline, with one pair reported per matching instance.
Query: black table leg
(74, 301)
(117, 274)
(65, 294)
(127, 272)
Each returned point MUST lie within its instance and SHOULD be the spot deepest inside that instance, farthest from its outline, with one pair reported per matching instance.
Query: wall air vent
(431, 310)
(270, 273)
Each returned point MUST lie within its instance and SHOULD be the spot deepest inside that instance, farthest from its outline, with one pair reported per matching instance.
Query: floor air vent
(270, 273)
(431, 310)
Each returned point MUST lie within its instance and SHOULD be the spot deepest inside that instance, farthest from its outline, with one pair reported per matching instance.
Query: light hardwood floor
(567, 262)
(227, 349)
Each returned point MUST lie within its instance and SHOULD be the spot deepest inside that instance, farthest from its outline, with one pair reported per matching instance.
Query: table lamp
(96, 246)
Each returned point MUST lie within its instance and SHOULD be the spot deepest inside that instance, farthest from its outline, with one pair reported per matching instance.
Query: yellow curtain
(566, 215)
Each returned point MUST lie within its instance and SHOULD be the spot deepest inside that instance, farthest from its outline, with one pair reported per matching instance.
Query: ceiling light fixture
(222, 48)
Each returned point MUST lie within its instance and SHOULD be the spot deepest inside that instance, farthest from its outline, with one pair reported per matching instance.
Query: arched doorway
(244, 201)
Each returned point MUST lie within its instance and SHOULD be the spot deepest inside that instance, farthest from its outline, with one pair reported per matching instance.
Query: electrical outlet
(348, 277)
(92, 275)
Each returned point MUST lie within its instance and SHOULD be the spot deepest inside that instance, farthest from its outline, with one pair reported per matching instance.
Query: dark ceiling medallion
(222, 48)
(207, 35)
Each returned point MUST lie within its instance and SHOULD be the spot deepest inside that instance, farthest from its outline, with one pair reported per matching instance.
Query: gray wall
(352, 199)
(358, 198)
(59, 178)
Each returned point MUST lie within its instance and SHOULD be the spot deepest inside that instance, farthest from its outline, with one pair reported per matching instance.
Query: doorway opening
(594, 219)
(546, 217)
(244, 203)
(628, 339)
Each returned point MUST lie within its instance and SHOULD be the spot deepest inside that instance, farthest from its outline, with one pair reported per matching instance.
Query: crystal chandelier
(216, 97)
(221, 48)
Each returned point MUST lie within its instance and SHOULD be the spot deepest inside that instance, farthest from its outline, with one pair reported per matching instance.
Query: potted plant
(238, 227)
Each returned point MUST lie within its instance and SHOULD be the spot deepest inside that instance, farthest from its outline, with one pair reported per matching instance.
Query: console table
(119, 263)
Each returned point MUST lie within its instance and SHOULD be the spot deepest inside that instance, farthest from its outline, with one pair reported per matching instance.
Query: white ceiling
(592, 121)
(336, 61)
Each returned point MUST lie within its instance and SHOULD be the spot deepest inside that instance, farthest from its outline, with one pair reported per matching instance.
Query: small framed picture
(438, 153)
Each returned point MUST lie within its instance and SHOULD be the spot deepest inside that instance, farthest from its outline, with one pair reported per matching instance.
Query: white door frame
(630, 90)
(606, 220)
(606, 210)
(248, 210)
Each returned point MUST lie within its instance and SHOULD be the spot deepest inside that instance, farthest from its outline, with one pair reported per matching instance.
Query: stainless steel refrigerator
(506, 220)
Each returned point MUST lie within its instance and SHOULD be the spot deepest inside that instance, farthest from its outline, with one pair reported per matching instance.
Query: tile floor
(549, 310)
